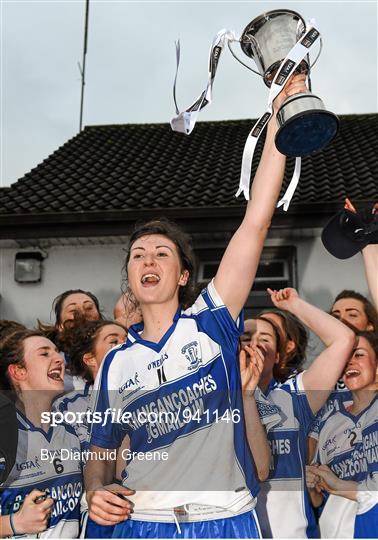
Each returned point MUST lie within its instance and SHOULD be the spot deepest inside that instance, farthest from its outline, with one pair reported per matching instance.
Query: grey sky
(131, 65)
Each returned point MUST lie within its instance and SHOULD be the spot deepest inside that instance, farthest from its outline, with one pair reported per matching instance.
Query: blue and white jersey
(60, 477)
(368, 496)
(181, 399)
(366, 524)
(339, 395)
(340, 446)
(283, 506)
(77, 403)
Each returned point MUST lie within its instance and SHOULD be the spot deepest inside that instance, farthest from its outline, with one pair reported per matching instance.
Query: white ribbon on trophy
(185, 121)
(286, 69)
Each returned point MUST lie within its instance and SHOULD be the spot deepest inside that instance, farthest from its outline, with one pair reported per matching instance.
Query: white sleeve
(367, 495)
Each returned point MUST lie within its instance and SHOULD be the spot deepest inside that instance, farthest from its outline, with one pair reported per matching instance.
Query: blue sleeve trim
(102, 443)
(302, 409)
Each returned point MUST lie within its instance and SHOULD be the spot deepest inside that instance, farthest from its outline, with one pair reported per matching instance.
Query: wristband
(12, 524)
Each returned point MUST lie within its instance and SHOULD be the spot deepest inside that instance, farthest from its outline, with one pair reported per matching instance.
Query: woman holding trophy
(183, 357)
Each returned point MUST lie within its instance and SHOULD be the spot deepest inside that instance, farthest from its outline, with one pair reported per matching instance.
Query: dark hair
(52, 331)
(291, 362)
(369, 309)
(8, 327)
(78, 338)
(372, 338)
(58, 303)
(184, 250)
(12, 352)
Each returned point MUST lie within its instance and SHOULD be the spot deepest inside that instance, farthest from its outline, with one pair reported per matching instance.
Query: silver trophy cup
(305, 125)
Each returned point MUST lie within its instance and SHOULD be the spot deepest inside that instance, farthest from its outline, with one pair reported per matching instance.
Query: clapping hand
(251, 365)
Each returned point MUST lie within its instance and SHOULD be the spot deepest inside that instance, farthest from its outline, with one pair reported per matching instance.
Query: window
(277, 269)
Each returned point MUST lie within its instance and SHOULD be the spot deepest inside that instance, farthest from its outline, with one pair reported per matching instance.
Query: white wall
(321, 277)
(93, 268)
(97, 268)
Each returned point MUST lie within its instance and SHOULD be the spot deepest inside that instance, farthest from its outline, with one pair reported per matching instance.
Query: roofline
(207, 122)
(121, 222)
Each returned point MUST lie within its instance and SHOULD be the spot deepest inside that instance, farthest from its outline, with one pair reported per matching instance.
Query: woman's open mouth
(149, 280)
(350, 373)
(55, 374)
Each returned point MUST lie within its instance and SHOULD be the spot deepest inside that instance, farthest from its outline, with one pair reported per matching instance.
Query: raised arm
(238, 267)
(320, 378)
(370, 256)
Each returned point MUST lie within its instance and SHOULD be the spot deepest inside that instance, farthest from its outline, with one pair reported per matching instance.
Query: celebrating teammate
(66, 306)
(348, 451)
(86, 343)
(297, 400)
(294, 341)
(42, 492)
(183, 362)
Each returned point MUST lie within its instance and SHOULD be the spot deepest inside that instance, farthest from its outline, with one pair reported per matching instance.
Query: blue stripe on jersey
(370, 438)
(65, 401)
(66, 492)
(135, 329)
(289, 445)
(366, 525)
(26, 425)
(101, 403)
(221, 327)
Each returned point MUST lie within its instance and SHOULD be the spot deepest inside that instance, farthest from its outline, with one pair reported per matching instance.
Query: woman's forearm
(347, 489)
(316, 497)
(327, 328)
(97, 472)
(370, 256)
(256, 436)
(5, 528)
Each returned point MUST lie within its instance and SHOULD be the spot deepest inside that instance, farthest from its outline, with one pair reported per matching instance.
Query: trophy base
(306, 127)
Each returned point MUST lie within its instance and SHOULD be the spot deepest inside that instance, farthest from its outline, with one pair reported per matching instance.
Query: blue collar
(271, 386)
(136, 329)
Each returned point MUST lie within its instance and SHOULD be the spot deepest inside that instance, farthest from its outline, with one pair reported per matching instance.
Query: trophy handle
(320, 50)
(301, 29)
(240, 61)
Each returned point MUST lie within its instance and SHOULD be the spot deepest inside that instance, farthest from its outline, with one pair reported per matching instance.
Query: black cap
(348, 232)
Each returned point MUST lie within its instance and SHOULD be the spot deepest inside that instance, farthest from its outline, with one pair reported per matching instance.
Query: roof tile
(136, 166)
